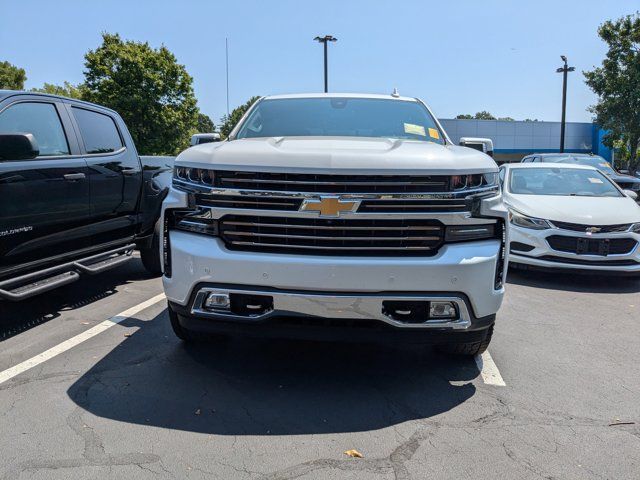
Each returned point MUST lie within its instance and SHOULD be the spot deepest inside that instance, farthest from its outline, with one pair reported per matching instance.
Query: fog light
(217, 301)
(442, 310)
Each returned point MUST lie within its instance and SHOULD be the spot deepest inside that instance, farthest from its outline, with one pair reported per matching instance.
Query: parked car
(626, 182)
(336, 215)
(570, 217)
(76, 197)
(200, 138)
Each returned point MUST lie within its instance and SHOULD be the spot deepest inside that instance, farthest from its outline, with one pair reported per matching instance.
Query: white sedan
(570, 217)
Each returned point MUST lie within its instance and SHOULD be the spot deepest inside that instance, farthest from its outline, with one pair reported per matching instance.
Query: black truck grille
(317, 236)
(326, 183)
(251, 202)
(592, 246)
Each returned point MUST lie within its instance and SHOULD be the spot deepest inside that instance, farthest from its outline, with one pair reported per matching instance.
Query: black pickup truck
(75, 197)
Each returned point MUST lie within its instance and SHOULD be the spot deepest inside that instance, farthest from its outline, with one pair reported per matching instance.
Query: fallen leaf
(354, 454)
(127, 334)
(86, 323)
(198, 412)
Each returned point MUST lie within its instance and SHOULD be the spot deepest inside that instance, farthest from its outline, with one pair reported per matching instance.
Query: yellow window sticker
(414, 129)
(595, 180)
(433, 133)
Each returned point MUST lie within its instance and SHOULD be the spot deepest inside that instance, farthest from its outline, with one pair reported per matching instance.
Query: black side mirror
(18, 146)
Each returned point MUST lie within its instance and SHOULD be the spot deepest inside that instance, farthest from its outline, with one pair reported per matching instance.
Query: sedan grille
(317, 236)
(578, 227)
(592, 246)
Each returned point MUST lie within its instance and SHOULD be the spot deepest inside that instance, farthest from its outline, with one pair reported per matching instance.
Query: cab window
(99, 132)
(42, 121)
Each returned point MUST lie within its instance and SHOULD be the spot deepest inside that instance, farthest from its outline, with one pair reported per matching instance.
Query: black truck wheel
(468, 348)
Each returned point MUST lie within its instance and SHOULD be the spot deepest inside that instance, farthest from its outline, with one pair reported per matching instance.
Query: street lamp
(325, 40)
(564, 70)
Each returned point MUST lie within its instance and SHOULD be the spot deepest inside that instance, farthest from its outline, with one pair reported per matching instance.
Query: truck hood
(582, 210)
(349, 155)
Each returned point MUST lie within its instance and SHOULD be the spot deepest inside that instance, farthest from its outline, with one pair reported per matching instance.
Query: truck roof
(8, 93)
(340, 95)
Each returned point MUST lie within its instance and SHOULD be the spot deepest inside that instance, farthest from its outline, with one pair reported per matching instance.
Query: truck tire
(468, 348)
(150, 256)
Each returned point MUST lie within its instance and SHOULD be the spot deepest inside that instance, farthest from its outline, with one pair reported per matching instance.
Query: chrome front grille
(318, 236)
(325, 183)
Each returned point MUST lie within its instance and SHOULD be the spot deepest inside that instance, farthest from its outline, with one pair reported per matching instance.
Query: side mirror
(631, 194)
(18, 146)
(483, 144)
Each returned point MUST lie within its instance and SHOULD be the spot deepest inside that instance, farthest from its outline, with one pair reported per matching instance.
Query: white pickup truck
(329, 216)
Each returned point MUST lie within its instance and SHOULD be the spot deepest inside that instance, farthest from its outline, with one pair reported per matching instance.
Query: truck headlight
(194, 176)
(524, 221)
(478, 180)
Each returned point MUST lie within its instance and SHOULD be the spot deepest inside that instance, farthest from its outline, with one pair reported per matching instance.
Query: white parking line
(77, 340)
(489, 371)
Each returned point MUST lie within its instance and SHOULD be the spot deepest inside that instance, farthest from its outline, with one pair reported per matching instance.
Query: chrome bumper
(345, 306)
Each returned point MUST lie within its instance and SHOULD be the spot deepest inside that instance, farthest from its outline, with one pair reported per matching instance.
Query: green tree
(228, 122)
(506, 119)
(484, 115)
(205, 124)
(617, 84)
(66, 90)
(148, 87)
(12, 77)
(464, 116)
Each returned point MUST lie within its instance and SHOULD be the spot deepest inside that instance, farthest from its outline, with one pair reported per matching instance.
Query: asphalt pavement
(86, 397)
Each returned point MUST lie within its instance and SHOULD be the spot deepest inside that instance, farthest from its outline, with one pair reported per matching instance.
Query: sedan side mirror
(631, 194)
(483, 144)
(18, 146)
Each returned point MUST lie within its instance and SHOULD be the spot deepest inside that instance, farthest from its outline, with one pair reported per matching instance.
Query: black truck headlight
(202, 177)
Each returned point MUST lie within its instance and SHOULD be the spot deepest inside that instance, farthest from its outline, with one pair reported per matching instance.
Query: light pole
(564, 70)
(325, 40)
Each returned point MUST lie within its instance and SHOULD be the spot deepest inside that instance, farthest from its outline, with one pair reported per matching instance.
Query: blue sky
(458, 56)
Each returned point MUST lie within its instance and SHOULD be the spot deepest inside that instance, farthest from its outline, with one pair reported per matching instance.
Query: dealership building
(512, 140)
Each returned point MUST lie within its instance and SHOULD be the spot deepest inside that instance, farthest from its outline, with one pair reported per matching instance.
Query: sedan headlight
(635, 228)
(524, 221)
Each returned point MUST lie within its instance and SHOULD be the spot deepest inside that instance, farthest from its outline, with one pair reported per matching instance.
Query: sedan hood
(348, 155)
(582, 210)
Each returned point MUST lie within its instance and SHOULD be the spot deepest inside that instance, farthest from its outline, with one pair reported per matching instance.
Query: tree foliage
(12, 77)
(66, 90)
(483, 115)
(228, 122)
(617, 84)
(148, 88)
(205, 124)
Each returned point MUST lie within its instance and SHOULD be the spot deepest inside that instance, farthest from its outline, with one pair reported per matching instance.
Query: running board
(35, 283)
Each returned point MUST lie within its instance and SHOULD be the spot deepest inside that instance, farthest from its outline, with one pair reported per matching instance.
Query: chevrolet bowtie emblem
(591, 230)
(329, 206)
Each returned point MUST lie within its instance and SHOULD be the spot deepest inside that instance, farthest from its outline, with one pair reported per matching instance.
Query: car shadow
(17, 317)
(573, 282)
(260, 387)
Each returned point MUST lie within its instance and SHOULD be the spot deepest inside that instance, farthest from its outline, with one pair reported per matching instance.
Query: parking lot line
(489, 371)
(77, 340)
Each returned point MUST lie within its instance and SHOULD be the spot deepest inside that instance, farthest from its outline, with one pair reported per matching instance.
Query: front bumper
(465, 269)
(543, 256)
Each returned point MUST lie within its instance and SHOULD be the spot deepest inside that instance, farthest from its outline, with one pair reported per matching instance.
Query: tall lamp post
(325, 40)
(564, 70)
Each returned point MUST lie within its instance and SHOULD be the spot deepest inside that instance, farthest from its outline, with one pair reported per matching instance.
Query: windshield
(590, 160)
(342, 117)
(561, 181)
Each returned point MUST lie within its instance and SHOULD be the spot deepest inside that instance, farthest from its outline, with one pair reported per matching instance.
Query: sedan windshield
(590, 160)
(342, 117)
(561, 181)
